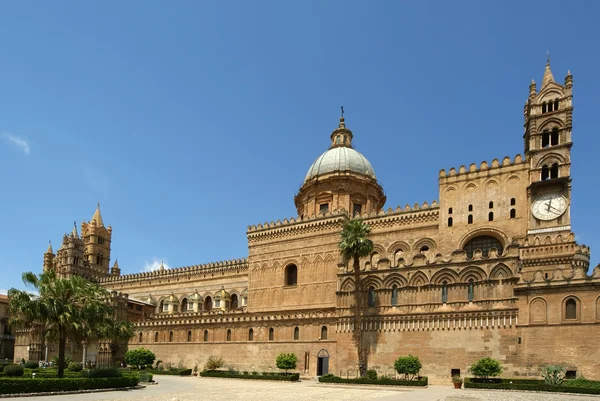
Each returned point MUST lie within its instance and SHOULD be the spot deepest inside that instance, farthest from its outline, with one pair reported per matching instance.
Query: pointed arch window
(271, 334)
(170, 336)
(291, 275)
(450, 210)
(296, 333)
(324, 333)
(156, 337)
(444, 292)
(571, 309)
(371, 297)
(189, 336)
(140, 338)
(471, 291)
(184, 305)
(491, 216)
(251, 335)
(205, 338)
(394, 295)
(228, 334)
(208, 303)
(234, 301)
(450, 221)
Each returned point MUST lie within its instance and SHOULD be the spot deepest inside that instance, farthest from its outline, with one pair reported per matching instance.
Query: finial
(98, 205)
(342, 111)
(75, 223)
(548, 57)
(532, 82)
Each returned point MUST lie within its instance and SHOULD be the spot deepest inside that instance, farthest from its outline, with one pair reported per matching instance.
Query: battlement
(484, 167)
(234, 265)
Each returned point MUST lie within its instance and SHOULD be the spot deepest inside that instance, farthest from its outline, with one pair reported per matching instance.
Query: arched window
(228, 334)
(324, 333)
(163, 307)
(491, 205)
(234, 301)
(554, 171)
(471, 291)
(513, 201)
(170, 336)
(556, 104)
(449, 221)
(184, 305)
(394, 295)
(296, 333)
(544, 108)
(513, 213)
(554, 137)
(470, 219)
(208, 303)
(545, 172)
(545, 139)
(291, 275)
(470, 208)
(484, 243)
(140, 339)
(449, 210)
(251, 335)
(371, 297)
(205, 337)
(571, 309)
(491, 216)
(271, 334)
(444, 292)
(424, 249)
(156, 337)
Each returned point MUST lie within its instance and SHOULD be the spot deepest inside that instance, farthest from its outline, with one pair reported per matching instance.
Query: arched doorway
(234, 301)
(322, 362)
(208, 303)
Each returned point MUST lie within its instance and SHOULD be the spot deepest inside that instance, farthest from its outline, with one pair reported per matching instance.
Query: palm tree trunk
(358, 310)
(61, 352)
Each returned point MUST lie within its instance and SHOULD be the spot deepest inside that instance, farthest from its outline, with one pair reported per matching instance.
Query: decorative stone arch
(469, 186)
(550, 159)
(444, 275)
(501, 272)
(538, 310)
(491, 231)
(474, 273)
(418, 279)
(395, 279)
(450, 189)
(566, 309)
(551, 123)
(549, 93)
(371, 281)
(430, 243)
(347, 285)
(397, 246)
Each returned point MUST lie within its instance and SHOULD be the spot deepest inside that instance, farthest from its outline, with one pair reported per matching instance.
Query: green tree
(64, 308)
(286, 361)
(354, 245)
(409, 366)
(486, 367)
(139, 357)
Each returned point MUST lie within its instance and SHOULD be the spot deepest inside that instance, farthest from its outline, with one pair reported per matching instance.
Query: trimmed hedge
(421, 381)
(568, 386)
(292, 377)
(46, 385)
(172, 372)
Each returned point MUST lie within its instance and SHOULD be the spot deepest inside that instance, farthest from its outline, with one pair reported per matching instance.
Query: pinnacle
(97, 217)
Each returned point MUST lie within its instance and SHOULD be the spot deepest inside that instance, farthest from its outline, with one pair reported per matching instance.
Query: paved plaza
(208, 389)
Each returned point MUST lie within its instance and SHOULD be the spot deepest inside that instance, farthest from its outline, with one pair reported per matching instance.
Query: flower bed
(421, 381)
(581, 386)
(46, 385)
(264, 376)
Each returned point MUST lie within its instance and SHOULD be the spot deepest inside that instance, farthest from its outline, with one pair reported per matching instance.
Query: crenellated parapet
(539, 250)
(234, 266)
(484, 169)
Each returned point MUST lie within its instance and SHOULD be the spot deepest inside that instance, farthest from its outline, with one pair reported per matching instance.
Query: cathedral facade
(492, 269)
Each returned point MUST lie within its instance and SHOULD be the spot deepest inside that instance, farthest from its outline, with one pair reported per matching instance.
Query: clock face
(549, 206)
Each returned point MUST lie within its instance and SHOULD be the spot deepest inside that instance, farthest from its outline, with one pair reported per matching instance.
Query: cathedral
(492, 269)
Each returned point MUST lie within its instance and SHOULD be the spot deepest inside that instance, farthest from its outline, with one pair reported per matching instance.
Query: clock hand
(549, 204)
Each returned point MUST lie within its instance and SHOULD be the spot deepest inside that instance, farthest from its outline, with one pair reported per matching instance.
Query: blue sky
(191, 120)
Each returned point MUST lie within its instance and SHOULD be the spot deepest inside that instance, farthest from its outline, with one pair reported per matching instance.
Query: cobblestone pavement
(208, 389)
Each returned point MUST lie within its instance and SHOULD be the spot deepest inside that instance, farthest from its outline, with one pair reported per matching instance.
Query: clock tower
(548, 124)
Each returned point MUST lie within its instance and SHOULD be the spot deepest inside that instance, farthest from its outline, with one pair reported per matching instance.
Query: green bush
(371, 374)
(568, 386)
(145, 377)
(553, 374)
(139, 357)
(213, 363)
(75, 367)
(18, 386)
(172, 372)
(101, 372)
(386, 381)
(264, 376)
(486, 367)
(13, 371)
(286, 361)
(31, 365)
(409, 366)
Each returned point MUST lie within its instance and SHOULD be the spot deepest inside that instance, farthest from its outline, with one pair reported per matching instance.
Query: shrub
(68, 360)
(286, 361)
(102, 372)
(371, 374)
(254, 373)
(31, 365)
(145, 377)
(264, 376)
(553, 374)
(139, 357)
(409, 366)
(75, 367)
(486, 367)
(385, 381)
(13, 371)
(214, 363)
(21, 385)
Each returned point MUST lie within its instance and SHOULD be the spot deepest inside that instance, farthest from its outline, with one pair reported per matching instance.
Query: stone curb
(379, 386)
(96, 390)
(529, 391)
(251, 380)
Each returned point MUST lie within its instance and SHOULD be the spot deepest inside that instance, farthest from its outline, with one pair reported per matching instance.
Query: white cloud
(3, 291)
(15, 140)
(154, 265)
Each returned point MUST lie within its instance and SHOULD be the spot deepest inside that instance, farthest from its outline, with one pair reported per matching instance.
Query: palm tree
(65, 308)
(354, 245)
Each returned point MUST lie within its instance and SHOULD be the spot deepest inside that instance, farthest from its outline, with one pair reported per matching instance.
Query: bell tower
(548, 124)
(96, 240)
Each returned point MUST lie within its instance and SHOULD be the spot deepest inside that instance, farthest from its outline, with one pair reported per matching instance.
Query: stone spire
(548, 77)
(49, 251)
(341, 136)
(116, 271)
(97, 217)
(74, 232)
